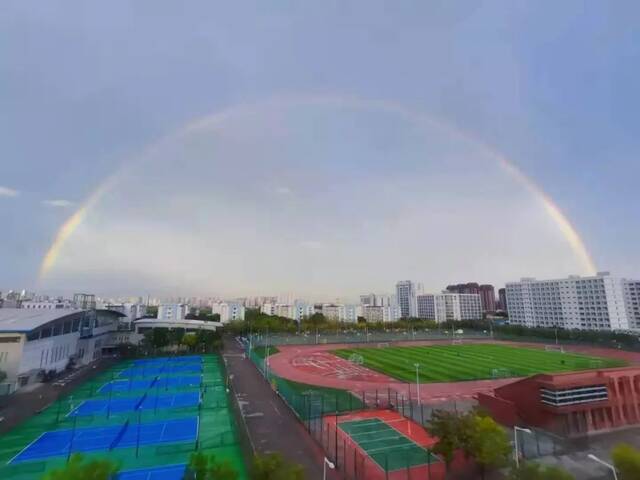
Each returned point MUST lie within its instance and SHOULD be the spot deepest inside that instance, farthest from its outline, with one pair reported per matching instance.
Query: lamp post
(515, 442)
(417, 365)
(591, 456)
(327, 463)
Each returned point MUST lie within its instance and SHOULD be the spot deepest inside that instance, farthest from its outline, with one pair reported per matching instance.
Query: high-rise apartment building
(443, 307)
(599, 302)
(426, 306)
(172, 311)
(406, 292)
(487, 294)
(502, 299)
(377, 300)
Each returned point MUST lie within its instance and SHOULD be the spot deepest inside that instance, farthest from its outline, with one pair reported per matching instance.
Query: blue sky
(84, 86)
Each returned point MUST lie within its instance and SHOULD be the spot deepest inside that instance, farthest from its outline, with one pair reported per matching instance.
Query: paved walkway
(272, 426)
(20, 406)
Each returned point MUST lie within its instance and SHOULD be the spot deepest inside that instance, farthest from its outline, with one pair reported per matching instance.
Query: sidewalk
(272, 426)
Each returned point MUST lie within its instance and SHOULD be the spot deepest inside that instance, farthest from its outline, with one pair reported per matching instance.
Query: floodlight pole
(417, 365)
(515, 442)
(591, 456)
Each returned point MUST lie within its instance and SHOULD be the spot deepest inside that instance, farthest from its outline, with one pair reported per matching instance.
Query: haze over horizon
(323, 150)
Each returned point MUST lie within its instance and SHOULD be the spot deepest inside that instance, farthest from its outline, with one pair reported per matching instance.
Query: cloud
(311, 244)
(58, 203)
(283, 191)
(8, 192)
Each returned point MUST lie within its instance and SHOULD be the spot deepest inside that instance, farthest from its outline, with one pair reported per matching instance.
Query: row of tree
(200, 467)
(480, 438)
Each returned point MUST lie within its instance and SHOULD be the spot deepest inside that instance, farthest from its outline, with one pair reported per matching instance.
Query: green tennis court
(388, 447)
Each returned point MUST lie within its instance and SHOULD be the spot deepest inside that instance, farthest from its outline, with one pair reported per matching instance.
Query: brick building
(570, 404)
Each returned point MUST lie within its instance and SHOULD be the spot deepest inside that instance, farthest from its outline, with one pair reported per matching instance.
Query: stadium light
(327, 463)
(591, 456)
(515, 442)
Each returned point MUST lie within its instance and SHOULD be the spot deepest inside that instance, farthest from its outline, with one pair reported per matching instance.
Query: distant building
(172, 311)
(599, 302)
(296, 311)
(377, 300)
(48, 305)
(457, 307)
(406, 293)
(487, 294)
(228, 311)
(502, 299)
(426, 305)
(373, 314)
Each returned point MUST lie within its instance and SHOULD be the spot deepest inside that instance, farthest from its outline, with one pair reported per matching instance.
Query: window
(45, 332)
(67, 327)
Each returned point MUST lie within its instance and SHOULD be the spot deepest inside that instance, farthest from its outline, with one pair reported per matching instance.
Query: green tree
(203, 467)
(80, 469)
(626, 459)
(488, 444)
(189, 340)
(274, 467)
(444, 426)
(535, 471)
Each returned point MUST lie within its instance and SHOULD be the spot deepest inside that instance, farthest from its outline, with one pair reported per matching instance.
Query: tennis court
(164, 360)
(169, 472)
(146, 383)
(97, 406)
(60, 442)
(162, 369)
(388, 447)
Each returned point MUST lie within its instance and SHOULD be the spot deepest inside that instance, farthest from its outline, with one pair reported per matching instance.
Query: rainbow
(568, 231)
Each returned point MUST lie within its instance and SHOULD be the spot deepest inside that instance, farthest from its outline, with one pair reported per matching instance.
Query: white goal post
(554, 348)
(356, 359)
(383, 344)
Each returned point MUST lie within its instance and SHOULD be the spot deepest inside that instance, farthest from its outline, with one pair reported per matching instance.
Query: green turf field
(451, 363)
(262, 351)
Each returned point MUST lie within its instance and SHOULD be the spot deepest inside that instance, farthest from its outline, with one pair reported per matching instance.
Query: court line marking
(25, 448)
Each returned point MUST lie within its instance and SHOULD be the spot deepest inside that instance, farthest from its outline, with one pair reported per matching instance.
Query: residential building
(377, 300)
(228, 311)
(457, 307)
(406, 292)
(599, 302)
(426, 306)
(487, 294)
(172, 311)
(296, 311)
(333, 312)
(569, 404)
(502, 299)
(373, 313)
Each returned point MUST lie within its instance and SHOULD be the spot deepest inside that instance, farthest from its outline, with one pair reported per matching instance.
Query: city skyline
(290, 152)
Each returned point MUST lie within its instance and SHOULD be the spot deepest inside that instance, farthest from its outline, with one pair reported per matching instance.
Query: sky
(321, 148)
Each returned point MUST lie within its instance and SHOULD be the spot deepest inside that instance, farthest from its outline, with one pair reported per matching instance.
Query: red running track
(315, 365)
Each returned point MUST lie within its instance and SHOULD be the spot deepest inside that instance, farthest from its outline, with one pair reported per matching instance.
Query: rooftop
(22, 320)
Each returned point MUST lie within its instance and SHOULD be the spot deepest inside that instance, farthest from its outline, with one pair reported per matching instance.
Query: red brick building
(570, 404)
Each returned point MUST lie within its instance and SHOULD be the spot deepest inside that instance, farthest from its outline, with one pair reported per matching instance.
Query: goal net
(456, 341)
(554, 348)
(500, 373)
(356, 359)
(383, 345)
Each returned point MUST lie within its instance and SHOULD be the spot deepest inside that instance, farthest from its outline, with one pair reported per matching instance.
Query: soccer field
(451, 363)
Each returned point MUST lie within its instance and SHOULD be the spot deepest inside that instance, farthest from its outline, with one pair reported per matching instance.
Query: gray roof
(27, 319)
(22, 320)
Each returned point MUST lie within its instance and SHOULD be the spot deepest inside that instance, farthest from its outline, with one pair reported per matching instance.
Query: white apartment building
(172, 311)
(228, 311)
(296, 311)
(600, 302)
(426, 306)
(342, 313)
(406, 292)
(377, 300)
(132, 311)
(457, 307)
(373, 313)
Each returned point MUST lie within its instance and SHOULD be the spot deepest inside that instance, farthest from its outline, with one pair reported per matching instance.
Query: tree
(203, 467)
(444, 426)
(190, 340)
(3, 376)
(626, 459)
(80, 469)
(274, 467)
(535, 471)
(488, 444)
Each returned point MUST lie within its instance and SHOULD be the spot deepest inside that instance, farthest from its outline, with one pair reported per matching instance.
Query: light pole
(327, 463)
(591, 456)
(417, 365)
(515, 442)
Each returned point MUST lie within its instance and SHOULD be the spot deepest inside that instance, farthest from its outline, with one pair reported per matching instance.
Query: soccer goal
(356, 359)
(383, 345)
(554, 348)
(456, 341)
(596, 364)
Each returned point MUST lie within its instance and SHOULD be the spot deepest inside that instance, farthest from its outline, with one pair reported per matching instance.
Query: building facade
(406, 293)
(487, 294)
(172, 311)
(570, 404)
(375, 314)
(426, 306)
(599, 302)
(228, 311)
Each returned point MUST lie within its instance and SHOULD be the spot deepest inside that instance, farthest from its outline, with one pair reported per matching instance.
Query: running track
(315, 365)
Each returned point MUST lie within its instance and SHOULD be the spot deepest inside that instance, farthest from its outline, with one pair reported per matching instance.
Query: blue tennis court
(146, 383)
(161, 360)
(169, 472)
(59, 442)
(162, 369)
(96, 406)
